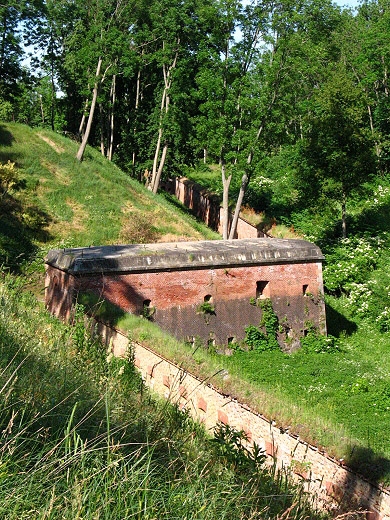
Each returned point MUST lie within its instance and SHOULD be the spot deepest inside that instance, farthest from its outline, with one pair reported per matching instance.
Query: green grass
(339, 401)
(81, 437)
(79, 204)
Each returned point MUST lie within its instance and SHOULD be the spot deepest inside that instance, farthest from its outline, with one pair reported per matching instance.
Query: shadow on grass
(21, 226)
(6, 138)
(337, 324)
(48, 397)
(370, 465)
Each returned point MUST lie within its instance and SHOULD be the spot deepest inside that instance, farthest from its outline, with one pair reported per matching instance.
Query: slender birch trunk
(158, 144)
(246, 177)
(165, 100)
(102, 147)
(80, 153)
(225, 200)
(137, 100)
(240, 198)
(82, 122)
(344, 215)
(112, 114)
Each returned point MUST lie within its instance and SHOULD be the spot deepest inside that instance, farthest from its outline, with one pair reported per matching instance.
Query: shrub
(9, 178)
(206, 308)
(350, 263)
(316, 343)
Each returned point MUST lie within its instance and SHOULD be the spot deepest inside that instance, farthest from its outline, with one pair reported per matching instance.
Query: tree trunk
(160, 167)
(157, 170)
(240, 198)
(225, 201)
(113, 98)
(102, 147)
(344, 215)
(52, 94)
(82, 122)
(42, 111)
(245, 177)
(137, 98)
(158, 146)
(83, 144)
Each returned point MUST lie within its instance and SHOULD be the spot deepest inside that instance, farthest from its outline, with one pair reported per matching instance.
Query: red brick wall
(176, 296)
(59, 292)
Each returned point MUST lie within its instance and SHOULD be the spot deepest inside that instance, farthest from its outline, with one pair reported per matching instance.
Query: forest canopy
(289, 98)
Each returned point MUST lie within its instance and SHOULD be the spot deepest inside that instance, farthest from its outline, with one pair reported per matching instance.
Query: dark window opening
(147, 309)
(208, 298)
(305, 288)
(231, 340)
(260, 288)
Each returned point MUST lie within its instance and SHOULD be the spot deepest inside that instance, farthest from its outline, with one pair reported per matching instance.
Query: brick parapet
(332, 485)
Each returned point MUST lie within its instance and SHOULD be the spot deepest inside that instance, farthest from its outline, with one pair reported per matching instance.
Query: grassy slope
(315, 393)
(80, 436)
(84, 204)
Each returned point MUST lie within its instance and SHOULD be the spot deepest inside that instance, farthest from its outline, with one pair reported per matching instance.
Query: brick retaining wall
(207, 206)
(332, 485)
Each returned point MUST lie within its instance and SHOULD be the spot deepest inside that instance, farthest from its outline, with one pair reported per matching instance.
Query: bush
(8, 178)
(351, 261)
(316, 343)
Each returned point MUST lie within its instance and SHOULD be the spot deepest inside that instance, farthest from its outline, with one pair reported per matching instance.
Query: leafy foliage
(350, 262)
(9, 178)
(232, 446)
(264, 337)
(315, 343)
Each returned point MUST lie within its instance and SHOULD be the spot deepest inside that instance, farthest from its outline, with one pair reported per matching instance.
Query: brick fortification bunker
(208, 290)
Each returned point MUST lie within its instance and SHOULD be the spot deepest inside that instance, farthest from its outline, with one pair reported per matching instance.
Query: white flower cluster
(319, 388)
(379, 193)
(383, 320)
(352, 261)
(261, 182)
(358, 297)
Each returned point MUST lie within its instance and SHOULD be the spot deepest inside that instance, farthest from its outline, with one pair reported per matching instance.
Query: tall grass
(82, 438)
